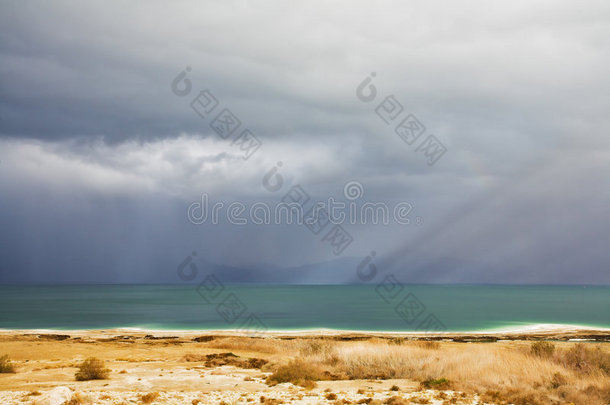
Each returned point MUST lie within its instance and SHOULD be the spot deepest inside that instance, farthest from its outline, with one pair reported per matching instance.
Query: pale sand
(286, 393)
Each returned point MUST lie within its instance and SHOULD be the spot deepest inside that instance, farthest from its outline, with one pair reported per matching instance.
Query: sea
(384, 307)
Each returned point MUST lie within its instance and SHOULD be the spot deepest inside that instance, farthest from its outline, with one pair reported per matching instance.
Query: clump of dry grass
(78, 399)
(585, 359)
(436, 383)
(331, 396)
(396, 341)
(222, 359)
(296, 372)
(266, 345)
(6, 365)
(270, 401)
(558, 380)
(542, 349)
(395, 400)
(92, 369)
(592, 394)
(148, 398)
(524, 396)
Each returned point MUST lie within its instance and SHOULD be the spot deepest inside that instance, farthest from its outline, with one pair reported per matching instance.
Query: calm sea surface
(415, 307)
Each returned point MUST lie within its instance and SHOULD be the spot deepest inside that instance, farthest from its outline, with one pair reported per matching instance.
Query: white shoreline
(523, 330)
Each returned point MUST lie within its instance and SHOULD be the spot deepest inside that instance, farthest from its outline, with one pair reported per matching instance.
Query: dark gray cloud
(99, 159)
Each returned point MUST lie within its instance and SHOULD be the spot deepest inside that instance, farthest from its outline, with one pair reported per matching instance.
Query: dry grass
(585, 359)
(502, 373)
(270, 401)
(269, 346)
(427, 344)
(150, 397)
(6, 366)
(92, 369)
(515, 372)
(436, 384)
(78, 399)
(397, 401)
(330, 396)
(315, 347)
(222, 359)
(297, 372)
(542, 349)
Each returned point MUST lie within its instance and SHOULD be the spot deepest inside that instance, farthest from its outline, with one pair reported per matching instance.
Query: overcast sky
(100, 159)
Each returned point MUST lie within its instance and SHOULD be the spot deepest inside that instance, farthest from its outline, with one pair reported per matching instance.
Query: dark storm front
(317, 220)
(405, 304)
(408, 127)
(225, 123)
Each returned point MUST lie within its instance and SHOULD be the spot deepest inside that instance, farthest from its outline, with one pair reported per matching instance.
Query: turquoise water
(455, 308)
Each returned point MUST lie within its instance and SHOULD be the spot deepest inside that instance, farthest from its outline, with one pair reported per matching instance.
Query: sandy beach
(308, 367)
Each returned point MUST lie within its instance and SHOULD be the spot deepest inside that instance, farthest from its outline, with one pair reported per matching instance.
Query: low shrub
(436, 384)
(78, 399)
(296, 372)
(92, 369)
(542, 349)
(6, 366)
(150, 397)
(395, 400)
(558, 380)
(585, 359)
(270, 401)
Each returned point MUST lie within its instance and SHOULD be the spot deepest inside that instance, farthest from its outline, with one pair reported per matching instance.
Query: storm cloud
(99, 158)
